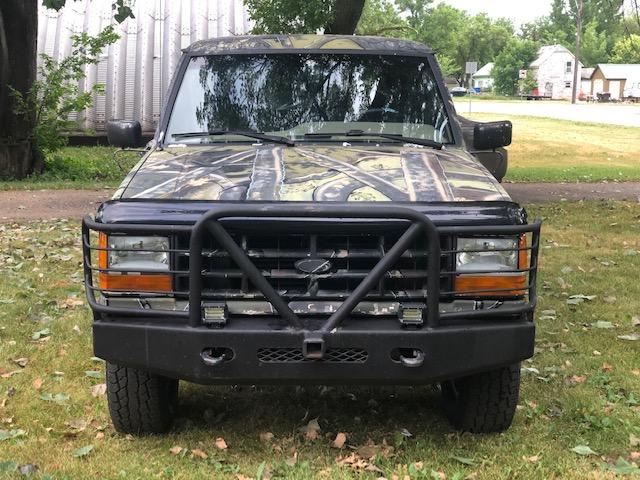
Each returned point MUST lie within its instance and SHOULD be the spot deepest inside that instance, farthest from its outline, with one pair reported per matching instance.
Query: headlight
(134, 264)
(138, 253)
(494, 254)
(488, 267)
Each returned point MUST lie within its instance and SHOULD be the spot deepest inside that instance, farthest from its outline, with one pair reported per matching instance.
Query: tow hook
(414, 358)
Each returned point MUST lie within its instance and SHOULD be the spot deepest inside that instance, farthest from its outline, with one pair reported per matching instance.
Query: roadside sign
(471, 68)
(522, 74)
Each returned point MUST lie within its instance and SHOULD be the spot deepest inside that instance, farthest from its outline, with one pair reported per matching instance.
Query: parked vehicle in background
(312, 211)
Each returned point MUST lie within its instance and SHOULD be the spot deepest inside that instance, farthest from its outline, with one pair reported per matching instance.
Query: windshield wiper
(391, 136)
(244, 133)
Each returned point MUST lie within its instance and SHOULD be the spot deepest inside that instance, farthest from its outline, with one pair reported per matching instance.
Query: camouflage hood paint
(311, 173)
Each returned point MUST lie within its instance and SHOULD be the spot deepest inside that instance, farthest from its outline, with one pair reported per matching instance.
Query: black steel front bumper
(175, 351)
(180, 344)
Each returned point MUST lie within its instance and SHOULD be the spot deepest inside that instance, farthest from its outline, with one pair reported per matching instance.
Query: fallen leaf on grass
(197, 452)
(99, 389)
(57, 398)
(292, 460)
(621, 467)
(221, 444)
(21, 362)
(576, 379)
(70, 302)
(10, 374)
(77, 424)
(93, 374)
(607, 367)
(531, 459)
(9, 434)
(266, 437)
(583, 450)
(463, 460)
(312, 430)
(609, 299)
(634, 441)
(83, 451)
(339, 441)
(602, 324)
(37, 383)
(41, 334)
(355, 461)
(635, 321)
(631, 337)
(176, 449)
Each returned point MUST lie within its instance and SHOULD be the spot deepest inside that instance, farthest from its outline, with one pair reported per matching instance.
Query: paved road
(28, 205)
(624, 114)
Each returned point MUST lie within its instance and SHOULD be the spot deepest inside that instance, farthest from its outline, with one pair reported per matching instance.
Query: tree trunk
(19, 32)
(347, 13)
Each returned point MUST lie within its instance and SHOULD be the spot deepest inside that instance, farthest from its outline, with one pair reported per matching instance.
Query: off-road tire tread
(486, 401)
(140, 402)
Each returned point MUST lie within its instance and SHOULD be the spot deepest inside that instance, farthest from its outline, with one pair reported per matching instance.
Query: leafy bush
(55, 95)
(87, 163)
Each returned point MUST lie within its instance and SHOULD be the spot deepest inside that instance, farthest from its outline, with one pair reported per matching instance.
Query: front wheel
(484, 402)
(140, 402)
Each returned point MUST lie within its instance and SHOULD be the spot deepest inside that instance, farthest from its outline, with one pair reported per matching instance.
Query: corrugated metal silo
(137, 70)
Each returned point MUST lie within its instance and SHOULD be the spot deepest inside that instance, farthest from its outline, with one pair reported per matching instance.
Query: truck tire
(484, 402)
(140, 402)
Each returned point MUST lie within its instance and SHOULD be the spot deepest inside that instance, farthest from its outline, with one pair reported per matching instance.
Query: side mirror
(492, 135)
(124, 133)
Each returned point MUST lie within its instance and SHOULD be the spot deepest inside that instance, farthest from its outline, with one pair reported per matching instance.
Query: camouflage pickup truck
(312, 209)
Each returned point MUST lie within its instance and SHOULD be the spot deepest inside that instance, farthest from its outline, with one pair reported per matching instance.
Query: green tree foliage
(517, 55)
(55, 95)
(289, 16)
(381, 17)
(121, 8)
(627, 50)
(594, 46)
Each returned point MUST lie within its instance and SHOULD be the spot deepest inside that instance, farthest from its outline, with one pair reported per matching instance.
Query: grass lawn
(548, 150)
(582, 388)
(78, 167)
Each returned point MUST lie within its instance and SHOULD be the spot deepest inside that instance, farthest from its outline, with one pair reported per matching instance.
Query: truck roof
(340, 43)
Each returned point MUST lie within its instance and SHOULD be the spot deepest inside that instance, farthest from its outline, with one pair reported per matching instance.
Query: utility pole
(574, 91)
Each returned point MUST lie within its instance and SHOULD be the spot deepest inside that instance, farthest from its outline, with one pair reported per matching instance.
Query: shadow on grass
(377, 411)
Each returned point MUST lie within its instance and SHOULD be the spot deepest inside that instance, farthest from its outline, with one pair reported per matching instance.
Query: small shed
(585, 80)
(553, 71)
(621, 80)
(482, 78)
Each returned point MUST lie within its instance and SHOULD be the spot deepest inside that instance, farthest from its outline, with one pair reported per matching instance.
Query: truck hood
(234, 172)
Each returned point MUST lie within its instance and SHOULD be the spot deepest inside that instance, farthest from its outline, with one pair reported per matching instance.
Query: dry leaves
(266, 437)
(37, 383)
(531, 459)
(99, 389)
(175, 450)
(21, 362)
(312, 430)
(70, 302)
(576, 379)
(339, 441)
(199, 453)
(607, 367)
(356, 462)
(221, 444)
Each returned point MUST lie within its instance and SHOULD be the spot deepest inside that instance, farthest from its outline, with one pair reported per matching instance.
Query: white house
(482, 78)
(553, 70)
(137, 69)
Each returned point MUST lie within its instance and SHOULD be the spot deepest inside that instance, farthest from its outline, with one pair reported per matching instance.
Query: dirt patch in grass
(582, 388)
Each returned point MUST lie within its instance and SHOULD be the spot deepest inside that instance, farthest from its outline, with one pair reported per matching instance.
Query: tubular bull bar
(313, 339)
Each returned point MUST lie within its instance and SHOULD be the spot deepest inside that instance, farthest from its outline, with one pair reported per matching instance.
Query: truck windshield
(293, 95)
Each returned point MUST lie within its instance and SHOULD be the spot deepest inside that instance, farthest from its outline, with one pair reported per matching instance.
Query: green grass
(549, 150)
(78, 167)
(583, 385)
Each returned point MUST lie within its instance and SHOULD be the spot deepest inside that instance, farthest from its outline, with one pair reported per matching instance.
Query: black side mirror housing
(124, 133)
(492, 135)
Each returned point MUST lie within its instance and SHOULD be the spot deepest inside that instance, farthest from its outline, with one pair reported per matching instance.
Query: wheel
(484, 402)
(139, 401)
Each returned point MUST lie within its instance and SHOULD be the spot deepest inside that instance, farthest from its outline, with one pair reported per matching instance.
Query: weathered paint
(311, 172)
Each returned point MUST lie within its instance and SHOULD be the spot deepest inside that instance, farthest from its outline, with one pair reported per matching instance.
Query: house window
(567, 84)
(567, 69)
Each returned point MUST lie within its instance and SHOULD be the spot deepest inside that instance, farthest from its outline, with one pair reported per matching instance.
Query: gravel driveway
(26, 205)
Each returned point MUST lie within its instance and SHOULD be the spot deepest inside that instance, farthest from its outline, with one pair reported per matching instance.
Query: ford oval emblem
(313, 265)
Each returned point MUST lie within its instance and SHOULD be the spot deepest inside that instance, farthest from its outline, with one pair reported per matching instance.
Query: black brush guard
(184, 330)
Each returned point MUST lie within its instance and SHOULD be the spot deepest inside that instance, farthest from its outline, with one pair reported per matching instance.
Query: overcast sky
(520, 12)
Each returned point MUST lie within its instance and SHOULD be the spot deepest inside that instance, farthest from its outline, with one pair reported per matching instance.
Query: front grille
(294, 355)
(351, 257)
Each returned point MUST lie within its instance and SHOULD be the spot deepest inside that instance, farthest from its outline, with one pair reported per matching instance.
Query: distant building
(553, 71)
(482, 78)
(620, 80)
(585, 81)
(136, 70)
